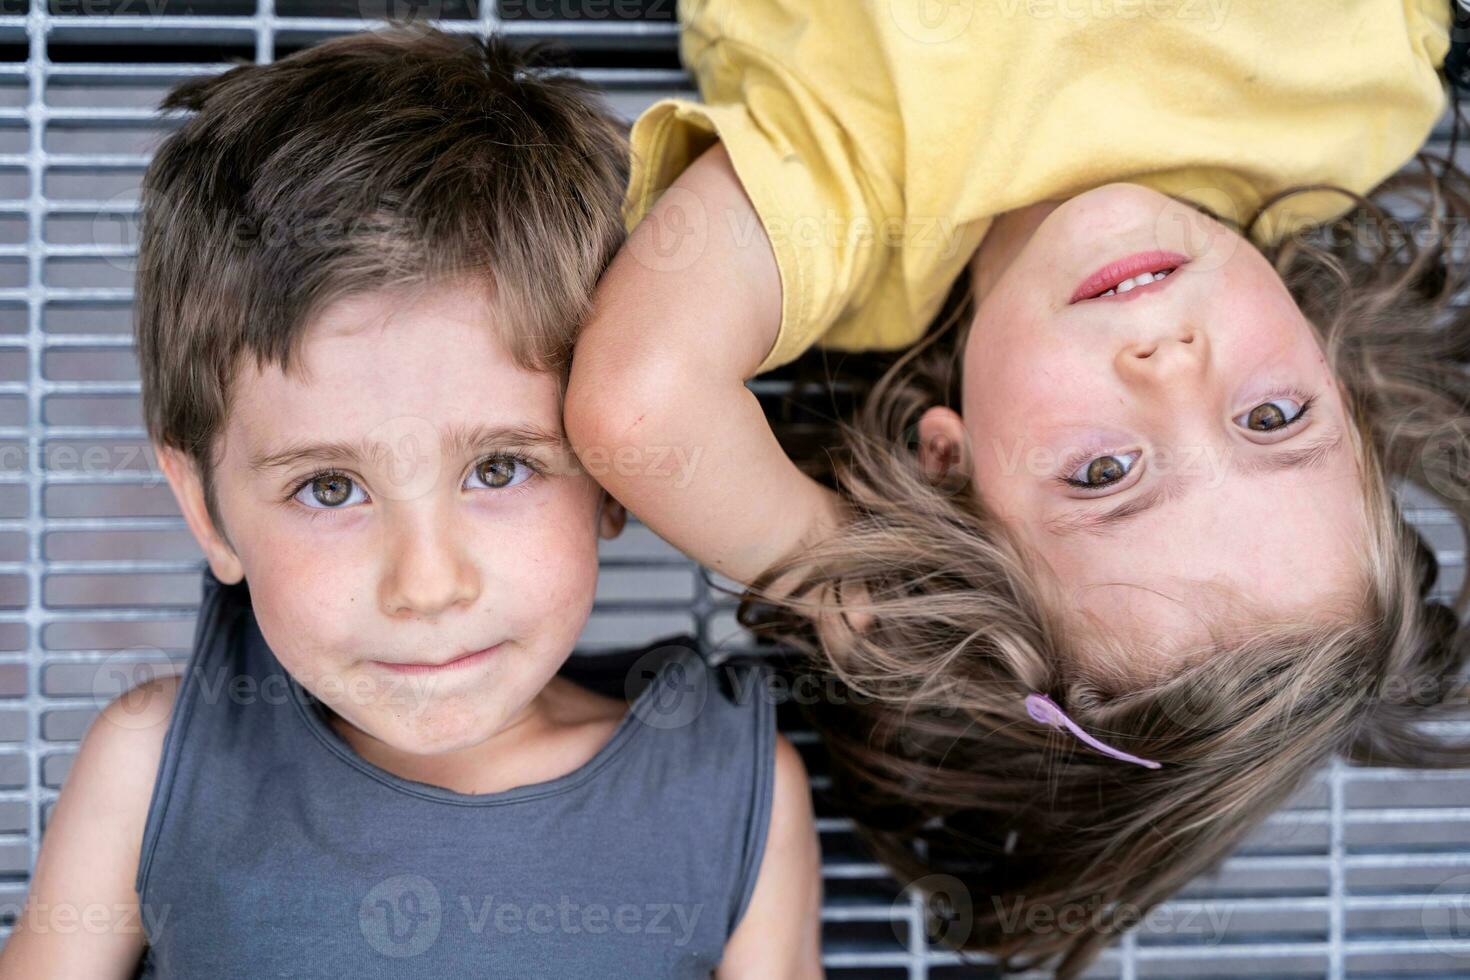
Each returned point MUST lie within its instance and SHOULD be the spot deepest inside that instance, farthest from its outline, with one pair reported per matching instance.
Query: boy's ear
(942, 443)
(183, 479)
(611, 517)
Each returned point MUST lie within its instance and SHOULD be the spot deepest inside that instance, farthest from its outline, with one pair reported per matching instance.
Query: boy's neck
(562, 728)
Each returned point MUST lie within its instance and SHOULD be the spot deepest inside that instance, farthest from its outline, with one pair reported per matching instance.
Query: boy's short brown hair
(387, 159)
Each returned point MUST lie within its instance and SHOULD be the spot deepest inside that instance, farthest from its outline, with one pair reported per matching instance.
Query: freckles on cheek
(560, 556)
(571, 591)
(300, 585)
(563, 569)
(1046, 374)
(293, 576)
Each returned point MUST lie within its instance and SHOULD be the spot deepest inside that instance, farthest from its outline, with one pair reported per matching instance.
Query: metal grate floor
(1365, 875)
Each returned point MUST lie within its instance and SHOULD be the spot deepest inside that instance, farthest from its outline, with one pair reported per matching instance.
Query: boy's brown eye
(332, 489)
(497, 471)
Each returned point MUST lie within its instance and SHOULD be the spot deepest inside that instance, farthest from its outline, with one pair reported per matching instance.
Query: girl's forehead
(1195, 566)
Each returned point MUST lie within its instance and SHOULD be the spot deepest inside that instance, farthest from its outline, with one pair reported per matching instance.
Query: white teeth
(1139, 280)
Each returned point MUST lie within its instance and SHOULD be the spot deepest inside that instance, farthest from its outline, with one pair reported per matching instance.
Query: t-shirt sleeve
(1429, 30)
(820, 172)
(878, 138)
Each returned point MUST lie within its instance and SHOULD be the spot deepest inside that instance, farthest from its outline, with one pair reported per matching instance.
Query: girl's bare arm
(657, 407)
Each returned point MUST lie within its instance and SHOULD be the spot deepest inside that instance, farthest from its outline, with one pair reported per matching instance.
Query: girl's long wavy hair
(1013, 824)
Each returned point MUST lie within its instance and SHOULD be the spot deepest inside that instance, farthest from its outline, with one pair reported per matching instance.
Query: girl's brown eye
(1101, 471)
(1270, 415)
(331, 490)
(497, 471)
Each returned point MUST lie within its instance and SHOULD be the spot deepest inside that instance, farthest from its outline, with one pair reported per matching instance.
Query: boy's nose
(428, 573)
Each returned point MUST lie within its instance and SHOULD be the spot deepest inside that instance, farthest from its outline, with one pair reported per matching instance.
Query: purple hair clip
(1048, 712)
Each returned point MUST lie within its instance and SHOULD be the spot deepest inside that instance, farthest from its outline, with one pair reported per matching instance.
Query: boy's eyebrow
(1314, 455)
(460, 441)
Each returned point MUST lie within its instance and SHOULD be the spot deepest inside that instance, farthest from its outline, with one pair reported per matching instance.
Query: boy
(360, 278)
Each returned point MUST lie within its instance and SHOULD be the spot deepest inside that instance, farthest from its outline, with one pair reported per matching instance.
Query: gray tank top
(272, 849)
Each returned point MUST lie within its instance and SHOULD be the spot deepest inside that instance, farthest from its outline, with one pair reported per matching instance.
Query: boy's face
(451, 518)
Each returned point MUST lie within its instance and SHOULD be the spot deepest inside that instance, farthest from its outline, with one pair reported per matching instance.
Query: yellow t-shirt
(877, 138)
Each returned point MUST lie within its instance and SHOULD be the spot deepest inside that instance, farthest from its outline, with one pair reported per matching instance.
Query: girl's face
(1179, 431)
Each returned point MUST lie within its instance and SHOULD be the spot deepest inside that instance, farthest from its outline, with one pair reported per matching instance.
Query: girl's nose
(1177, 351)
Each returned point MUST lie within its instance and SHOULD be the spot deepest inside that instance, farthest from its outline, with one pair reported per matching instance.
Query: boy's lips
(463, 660)
(1132, 273)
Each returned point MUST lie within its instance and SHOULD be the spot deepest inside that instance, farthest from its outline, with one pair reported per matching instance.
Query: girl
(1114, 551)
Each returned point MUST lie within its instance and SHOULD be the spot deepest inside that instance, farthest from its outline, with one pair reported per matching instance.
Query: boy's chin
(436, 735)
(428, 730)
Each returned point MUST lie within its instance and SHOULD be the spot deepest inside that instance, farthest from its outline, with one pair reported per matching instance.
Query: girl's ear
(183, 479)
(611, 517)
(943, 444)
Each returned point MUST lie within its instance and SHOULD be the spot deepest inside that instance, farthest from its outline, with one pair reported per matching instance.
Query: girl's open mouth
(1145, 270)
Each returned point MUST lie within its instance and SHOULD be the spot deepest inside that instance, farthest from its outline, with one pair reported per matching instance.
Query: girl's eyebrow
(459, 441)
(1108, 521)
(1313, 455)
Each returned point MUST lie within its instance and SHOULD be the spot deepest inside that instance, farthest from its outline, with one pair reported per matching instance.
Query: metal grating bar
(35, 335)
